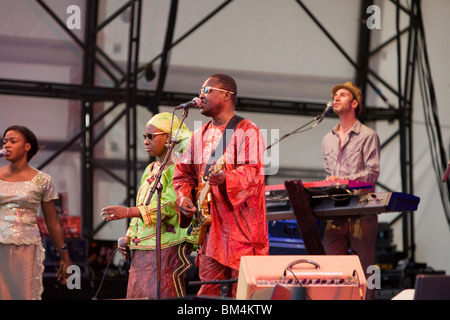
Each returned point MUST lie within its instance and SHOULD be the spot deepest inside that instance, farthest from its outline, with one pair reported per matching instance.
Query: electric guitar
(202, 217)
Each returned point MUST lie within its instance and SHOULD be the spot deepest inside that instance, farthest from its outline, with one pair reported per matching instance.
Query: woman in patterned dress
(22, 190)
(176, 245)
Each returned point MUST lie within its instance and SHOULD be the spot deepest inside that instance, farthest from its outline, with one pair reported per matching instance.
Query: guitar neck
(206, 186)
(204, 192)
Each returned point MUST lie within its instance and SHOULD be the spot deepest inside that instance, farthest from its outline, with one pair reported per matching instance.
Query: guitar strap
(221, 146)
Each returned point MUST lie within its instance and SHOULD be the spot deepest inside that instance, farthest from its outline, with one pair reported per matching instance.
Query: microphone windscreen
(122, 242)
(197, 101)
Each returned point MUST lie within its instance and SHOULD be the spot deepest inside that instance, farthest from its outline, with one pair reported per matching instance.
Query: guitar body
(202, 217)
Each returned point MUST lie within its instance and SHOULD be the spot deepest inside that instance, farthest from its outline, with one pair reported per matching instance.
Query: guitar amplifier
(322, 277)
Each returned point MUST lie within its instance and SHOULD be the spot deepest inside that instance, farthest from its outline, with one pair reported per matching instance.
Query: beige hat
(357, 94)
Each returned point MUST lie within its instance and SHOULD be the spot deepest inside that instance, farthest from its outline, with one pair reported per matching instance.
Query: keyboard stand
(301, 207)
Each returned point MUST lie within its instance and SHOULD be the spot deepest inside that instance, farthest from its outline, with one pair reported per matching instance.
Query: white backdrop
(272, 49)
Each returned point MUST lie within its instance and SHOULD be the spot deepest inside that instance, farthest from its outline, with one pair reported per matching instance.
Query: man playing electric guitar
(237, 207)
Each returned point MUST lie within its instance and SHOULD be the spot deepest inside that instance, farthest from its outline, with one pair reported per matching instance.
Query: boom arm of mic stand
(295, 131)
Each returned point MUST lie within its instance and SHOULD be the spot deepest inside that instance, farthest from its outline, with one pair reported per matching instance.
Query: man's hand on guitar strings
(187, 208)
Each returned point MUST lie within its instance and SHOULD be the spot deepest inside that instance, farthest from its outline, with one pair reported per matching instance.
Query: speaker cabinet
(432, 287)
(320, 277)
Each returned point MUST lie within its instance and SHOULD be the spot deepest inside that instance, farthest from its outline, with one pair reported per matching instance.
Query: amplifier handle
(293, 263)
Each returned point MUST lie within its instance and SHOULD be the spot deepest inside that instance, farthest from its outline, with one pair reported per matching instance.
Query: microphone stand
(224, 284)
(318, 118)
(158, 187)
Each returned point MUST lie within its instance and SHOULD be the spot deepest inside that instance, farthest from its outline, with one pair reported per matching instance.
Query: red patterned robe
(238, 209)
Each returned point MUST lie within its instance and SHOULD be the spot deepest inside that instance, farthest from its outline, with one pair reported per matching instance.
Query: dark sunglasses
(150, 136)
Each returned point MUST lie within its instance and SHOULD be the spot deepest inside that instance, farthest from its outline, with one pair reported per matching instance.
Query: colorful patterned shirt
(142, 231)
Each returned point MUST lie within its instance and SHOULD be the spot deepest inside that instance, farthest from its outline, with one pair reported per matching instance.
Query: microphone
(3, 153)
(325, 112)
(193, 103)
(123, 243)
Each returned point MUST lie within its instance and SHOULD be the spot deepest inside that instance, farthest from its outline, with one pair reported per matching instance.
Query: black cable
(431, 117)
(104, 274)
